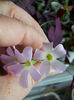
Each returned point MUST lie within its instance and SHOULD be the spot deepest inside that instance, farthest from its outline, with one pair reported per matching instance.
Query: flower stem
(35, 61)
(46, 23)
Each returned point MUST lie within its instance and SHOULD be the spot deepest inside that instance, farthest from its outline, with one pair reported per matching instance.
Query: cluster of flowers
(22, 64)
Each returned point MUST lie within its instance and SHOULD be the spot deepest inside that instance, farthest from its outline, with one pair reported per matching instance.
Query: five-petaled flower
(21, 65)
(49, 58)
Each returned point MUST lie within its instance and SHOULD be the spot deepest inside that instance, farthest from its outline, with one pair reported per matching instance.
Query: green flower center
(49, 57)
(28, 63)
(16, 60)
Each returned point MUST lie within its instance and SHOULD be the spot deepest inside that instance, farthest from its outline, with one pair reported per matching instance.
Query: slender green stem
(35, 61)
(46, 23)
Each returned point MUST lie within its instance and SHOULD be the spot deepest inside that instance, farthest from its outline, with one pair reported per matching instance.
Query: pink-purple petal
(45, 68)
(10, 51)
(59, 51)
(35, 73)
(39, 55)
(24, 81)
(48, 47)
(16, 69)
(5, 67)
(58, 66)
(19, 56)
(6, 59)
(27, 52)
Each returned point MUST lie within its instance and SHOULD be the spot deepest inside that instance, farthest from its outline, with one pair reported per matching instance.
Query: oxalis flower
(21, 64)
(49, 58)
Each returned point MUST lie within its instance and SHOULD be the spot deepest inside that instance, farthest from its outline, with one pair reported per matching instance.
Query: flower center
(49, 57)
(28, 63)
(16, 60)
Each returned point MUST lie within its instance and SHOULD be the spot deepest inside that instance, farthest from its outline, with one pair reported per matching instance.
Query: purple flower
(55, 36)
(21, 65)
(49, 58)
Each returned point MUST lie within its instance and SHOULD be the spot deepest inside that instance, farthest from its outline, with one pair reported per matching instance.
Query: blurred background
(56, 17)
